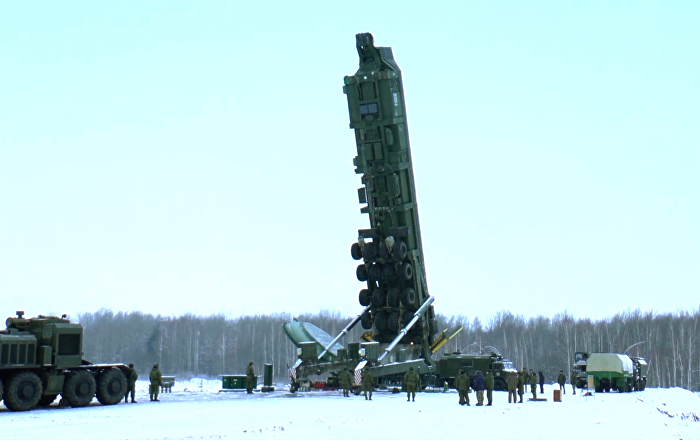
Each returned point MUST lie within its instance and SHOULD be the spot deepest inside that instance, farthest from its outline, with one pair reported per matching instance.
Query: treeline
(191, 345)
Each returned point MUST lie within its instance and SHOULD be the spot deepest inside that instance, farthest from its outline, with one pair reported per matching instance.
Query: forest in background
(208, 346)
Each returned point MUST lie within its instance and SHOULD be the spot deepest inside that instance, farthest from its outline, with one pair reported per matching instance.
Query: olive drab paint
(393, 264)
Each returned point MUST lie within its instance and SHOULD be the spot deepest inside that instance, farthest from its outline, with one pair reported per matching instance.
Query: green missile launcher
(391, 250)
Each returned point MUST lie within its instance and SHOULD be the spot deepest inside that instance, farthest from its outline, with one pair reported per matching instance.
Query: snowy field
(196, 410)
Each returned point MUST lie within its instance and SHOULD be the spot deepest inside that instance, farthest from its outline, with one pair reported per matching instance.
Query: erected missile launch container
(391, 253)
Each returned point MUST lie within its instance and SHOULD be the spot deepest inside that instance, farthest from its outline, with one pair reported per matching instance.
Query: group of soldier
(156, 378)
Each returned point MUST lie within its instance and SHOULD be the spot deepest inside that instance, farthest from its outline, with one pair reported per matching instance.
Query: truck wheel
(361, 272)
(400, 251)
(375, 271)
(409, 299)
(355, 251)
(370, 252)
(499, 384)
(111, 386)
(406, 271)
(47, 400)
(364, 297)
(393, 323)
(383, 250)
(389, 272)
(394, 297)
(366, 320)
(23, 391)
(379, 298)
(380, 321)
(79, 388)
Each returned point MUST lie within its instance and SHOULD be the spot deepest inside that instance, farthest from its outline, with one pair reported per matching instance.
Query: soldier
(489, 387)
(479, 385)
(526, 378)
(541, 382)
(131, 385)
(156, 378)
(573, 380)
(533, 384)
(561, 380)
(410, 382)
(249, 377)
(521, 385)
(512, 383)
(462, 385)
(367, 383)
(345, 379)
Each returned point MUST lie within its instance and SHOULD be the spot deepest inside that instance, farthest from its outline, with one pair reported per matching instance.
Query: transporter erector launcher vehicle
(398, 313)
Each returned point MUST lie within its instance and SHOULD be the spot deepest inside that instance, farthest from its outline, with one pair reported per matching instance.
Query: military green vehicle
(41, 358)
(449, 364)
(611, 371)
(398, 313)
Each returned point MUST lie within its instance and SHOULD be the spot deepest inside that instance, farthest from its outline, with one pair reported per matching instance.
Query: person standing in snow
(512, 383)
(462, 386)
(156, 378)
(573, 380)
(479, 385)
(526, 378)
(249, 377)
(521, 385)
(345, 380)
(131, 384)
(489, 387)
(541, 382)
(561, 380)
(367, 383)
(533, 384)
(410, 383)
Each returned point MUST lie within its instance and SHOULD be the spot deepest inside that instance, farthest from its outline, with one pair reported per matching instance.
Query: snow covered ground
(195, 410)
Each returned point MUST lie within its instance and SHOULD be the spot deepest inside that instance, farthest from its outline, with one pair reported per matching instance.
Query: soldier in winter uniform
(156, 378)
(561, 380)
(573, 380)
(526, 378)
(512, 383)
(489, 387)
(345, 380)
(479, 385)
(462, 385)
(249, 377)
(131, 385)
(410, 383)
(533, 384)
(521, 385)
(541, 382)
(367, 383)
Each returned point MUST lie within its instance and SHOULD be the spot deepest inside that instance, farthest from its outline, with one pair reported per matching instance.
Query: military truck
(449, 364)
(42, 357)
(612, 371)
(579, 368)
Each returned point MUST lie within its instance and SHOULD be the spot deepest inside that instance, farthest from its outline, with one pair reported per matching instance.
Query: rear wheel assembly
(394, 297)
(393, 322)
(406, 271)
(361, 272)
(111, 386)
(379, 298)
(409, 298)
(366, 320)
(380, 321)
(79, 388)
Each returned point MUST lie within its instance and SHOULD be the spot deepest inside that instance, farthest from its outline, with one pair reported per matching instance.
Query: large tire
(383, 250)
(380, 321)
(111, 386)
(379, 298)
(393, 297)
(79, 388)
(23, 391)
(409, 299)
(393, 323)
(356, 251)
(46, 400)
(366, 320)
(365, 297)
(361, 272)
(389, 272)
(400, 251)
(370, 252)
(375, 272)
(406, 271)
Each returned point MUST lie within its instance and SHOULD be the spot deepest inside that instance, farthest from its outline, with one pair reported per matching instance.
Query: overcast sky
(175, 157)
